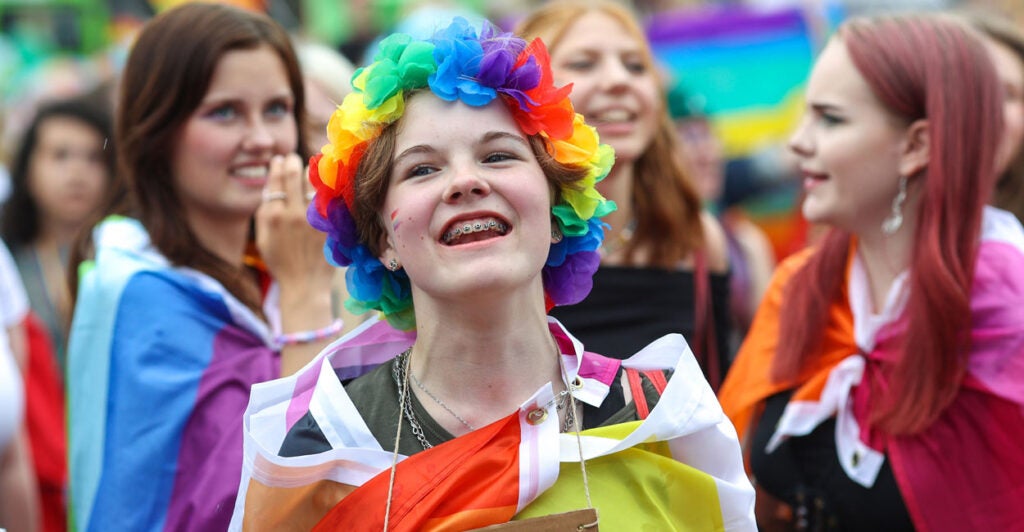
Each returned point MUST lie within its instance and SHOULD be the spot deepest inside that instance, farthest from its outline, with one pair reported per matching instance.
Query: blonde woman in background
(664, 265)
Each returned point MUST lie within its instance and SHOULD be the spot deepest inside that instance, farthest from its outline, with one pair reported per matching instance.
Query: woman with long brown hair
(201, 281)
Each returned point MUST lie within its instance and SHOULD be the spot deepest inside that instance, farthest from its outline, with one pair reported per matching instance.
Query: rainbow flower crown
(456, 64)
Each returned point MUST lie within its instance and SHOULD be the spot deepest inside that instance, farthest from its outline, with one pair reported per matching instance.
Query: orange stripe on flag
(465, 520)
(469, 482)
(748, 382)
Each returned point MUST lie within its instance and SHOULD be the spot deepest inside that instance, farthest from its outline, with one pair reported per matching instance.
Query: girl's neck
(884, 258)
(49, 252)
(491, 354)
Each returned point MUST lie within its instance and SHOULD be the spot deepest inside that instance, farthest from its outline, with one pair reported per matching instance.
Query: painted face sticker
(395, 222)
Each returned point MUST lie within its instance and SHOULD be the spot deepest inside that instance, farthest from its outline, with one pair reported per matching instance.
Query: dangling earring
(895, 219)
(556, 234)
(393, 265)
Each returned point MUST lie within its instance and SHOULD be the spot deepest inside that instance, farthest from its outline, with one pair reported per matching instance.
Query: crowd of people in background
(477, 267)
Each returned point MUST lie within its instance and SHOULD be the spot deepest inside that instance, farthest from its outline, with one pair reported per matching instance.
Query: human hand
(293, 252)
(290, 247)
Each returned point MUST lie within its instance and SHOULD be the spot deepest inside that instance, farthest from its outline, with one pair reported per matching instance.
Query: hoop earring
(393, 265)
(895, 219)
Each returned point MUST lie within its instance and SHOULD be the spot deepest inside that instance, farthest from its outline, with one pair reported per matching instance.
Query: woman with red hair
(880, 385)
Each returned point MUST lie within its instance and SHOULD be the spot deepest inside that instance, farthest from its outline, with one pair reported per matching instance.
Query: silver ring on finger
(274, 196)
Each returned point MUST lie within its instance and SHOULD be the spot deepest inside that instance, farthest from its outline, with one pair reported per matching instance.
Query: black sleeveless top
(631, 307)
(805, 473)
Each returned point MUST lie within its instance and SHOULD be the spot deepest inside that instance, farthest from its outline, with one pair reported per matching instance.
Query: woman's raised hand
(293, 252)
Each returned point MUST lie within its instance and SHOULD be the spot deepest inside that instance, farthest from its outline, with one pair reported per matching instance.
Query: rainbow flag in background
(749, 66)
(253, 5)
(678, 469)
(160, 363)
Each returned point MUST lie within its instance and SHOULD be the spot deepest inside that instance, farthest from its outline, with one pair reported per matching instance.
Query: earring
(556, 235)
(895, 219)
(393, 265)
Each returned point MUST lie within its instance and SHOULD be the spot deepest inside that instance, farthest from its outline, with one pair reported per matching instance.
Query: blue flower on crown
(458, 54)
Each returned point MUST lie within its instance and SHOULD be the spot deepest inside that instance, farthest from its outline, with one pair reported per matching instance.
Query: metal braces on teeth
(474, 227)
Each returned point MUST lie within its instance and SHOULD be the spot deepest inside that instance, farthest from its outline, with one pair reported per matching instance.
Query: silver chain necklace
(401, 374)
(440, 402)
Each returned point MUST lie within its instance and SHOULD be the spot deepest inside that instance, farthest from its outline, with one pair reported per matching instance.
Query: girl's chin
(815, 214)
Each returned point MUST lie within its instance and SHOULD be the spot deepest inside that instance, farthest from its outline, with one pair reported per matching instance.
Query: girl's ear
(916, 150)
(388, 257)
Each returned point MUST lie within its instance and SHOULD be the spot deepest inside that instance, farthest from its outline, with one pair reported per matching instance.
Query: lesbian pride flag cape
(160, 363)
(678, 469)
(966, 471)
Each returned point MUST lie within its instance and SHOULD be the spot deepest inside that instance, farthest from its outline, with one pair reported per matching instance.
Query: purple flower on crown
(498, 66)
(571, 264)
(342, 235)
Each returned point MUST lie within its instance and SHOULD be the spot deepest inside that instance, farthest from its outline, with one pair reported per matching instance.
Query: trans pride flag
(160, 363)
(678, 469)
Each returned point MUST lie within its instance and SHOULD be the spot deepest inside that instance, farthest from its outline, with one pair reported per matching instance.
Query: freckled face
(468, 206)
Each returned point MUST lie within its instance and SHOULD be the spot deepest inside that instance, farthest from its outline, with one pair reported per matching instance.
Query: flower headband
(456, 64)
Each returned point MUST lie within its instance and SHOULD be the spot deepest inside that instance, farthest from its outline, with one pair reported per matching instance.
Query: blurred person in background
(879, 387)
(1005, 43)
(19, 504)
(664, 265)
(326, 74)
(751, 257)
(203, 279)
(61, 173)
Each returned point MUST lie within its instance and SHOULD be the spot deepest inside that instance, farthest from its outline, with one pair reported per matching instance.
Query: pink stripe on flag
(350, 358)
(599, 368)
(300, 401)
